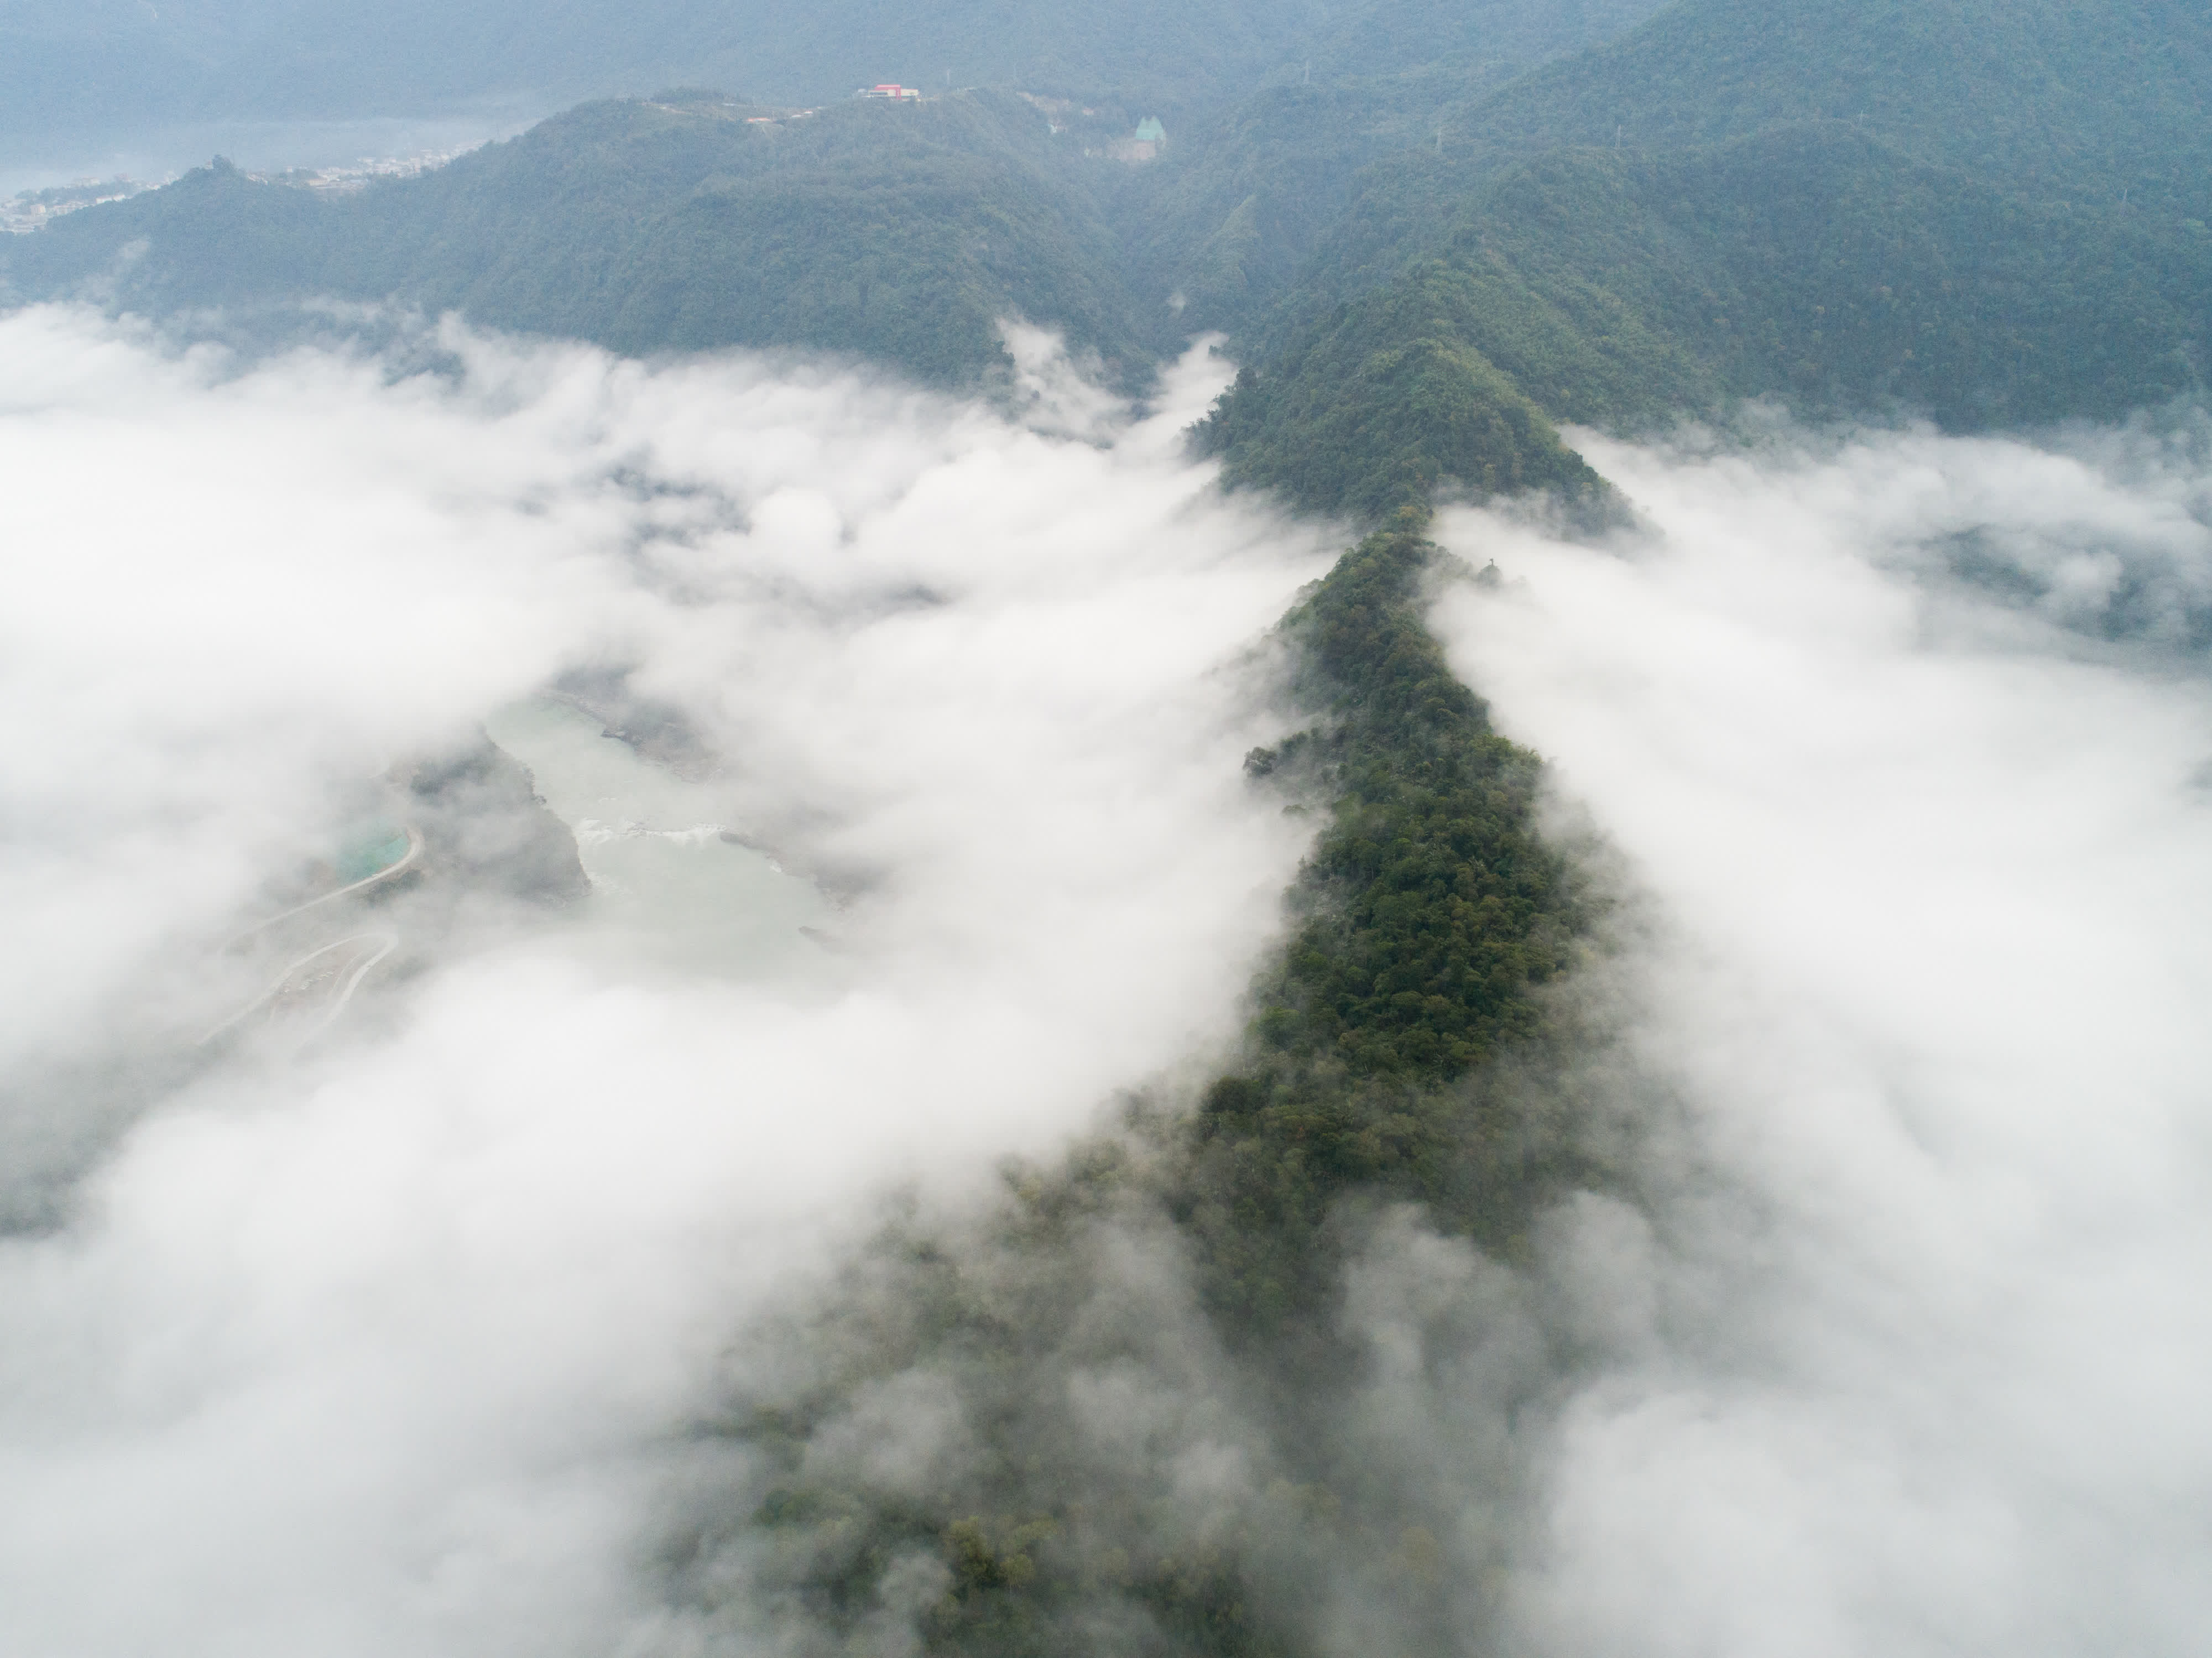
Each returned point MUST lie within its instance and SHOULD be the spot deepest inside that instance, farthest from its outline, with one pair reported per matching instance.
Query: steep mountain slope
(1931, 257)
(1204, 1257)
(1201, 1258)
(899, 232)
(2105, 100)
(1284, 107)
(1990, 215)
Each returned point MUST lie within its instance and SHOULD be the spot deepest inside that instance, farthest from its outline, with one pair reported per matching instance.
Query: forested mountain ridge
(1202, 1253)
(1393, 1075)
(839, 232)
(902, 234)
(1809, 263)
(2104, 100)
(1989, 214)
(1859, 208)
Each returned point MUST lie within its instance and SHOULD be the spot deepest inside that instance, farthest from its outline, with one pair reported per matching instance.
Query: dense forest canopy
(1990, 215)
(2104, 100)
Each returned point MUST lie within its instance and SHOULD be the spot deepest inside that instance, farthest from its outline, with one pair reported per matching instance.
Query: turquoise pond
(372, 847)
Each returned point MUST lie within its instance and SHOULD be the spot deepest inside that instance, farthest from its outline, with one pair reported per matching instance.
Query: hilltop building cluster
(1098, 128)
(346, 181)
(33, 209)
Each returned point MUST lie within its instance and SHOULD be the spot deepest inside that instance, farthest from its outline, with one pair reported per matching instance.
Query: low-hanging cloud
(1889, 1341)
(1892, 1059)
(1907, 1355)
(376, 1347)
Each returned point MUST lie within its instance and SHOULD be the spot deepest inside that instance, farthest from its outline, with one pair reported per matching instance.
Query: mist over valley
(1372, 830)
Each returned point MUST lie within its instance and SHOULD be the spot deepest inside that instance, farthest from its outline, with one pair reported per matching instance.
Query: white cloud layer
(381, 1347)
(1916, 1362)
(375, 1349)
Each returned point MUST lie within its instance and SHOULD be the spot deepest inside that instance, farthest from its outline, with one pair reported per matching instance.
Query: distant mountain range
(101, 65)
(1990, 213)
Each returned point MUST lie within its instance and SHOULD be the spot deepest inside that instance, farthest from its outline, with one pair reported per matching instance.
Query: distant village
(1065, 114)
(1146, 143)
(345, 180)
(33, 209)
(1060, 113)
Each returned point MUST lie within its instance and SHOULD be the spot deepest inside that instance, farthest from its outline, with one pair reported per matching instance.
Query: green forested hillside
(1986, 213)
(1213, 1265)
(841, 232)
(1212, 1262)
(1625, 288)
(1426, 920)
(1387, 403)
(1859, 208)
(2102, 100)
(902, 234)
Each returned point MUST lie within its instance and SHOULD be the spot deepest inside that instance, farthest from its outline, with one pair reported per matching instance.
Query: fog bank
(375, 1345)
(411, 1331)
(1903, 738)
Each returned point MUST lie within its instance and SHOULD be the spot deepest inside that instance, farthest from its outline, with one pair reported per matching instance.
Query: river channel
(671, 886)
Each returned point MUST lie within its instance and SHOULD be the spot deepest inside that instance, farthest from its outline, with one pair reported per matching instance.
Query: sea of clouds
(1908, 1355)
(1897, 748)
(378, 1348)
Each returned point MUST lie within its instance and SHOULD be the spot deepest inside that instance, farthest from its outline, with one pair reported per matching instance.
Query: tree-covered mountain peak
(1989, 214)
(2109, 96)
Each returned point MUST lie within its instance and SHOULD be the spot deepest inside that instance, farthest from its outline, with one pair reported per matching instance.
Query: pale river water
(667, 886)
